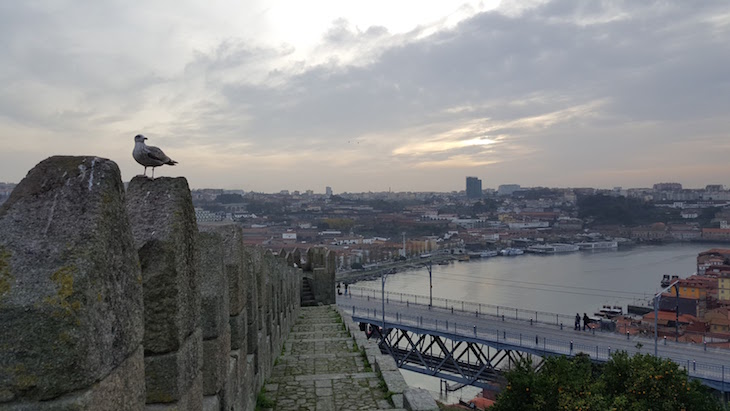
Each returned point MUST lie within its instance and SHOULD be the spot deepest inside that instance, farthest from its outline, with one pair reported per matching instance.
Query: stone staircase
(307, 299)
(322, 369)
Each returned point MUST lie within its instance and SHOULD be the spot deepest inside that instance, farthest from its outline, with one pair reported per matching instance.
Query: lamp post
(430, 285)
(658, 297)
(382, 278)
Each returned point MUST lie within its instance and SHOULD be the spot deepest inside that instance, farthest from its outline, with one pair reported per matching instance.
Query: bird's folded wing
(156, 154)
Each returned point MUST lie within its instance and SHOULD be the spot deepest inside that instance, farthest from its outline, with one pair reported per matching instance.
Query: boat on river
(610, 312)
(598, 245)
(552, 248)
(511, 251)
(667, 281)
(484, 254)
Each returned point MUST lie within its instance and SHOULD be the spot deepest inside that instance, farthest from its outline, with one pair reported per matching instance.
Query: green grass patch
(365, 361)
(389, 396)
(382, 385)
(263, 402)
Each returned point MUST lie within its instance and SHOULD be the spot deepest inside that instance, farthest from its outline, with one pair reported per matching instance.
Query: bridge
(469, 343)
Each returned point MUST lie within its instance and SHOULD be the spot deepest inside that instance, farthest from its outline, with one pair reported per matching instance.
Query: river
(566, 283)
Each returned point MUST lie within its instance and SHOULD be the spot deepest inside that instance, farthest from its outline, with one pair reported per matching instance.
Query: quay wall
(116, 300)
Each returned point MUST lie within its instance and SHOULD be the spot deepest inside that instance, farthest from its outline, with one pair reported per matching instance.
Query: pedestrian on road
(577, 322)
(585, 321)
(345, 288)
(339, 289)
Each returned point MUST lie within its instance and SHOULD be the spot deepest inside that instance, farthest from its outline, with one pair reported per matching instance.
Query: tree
(341, 224)
(644, 382)
(560, 384)
(607, 210)
(641, 382)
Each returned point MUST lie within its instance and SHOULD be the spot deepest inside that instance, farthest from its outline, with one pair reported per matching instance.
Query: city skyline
(408, 97)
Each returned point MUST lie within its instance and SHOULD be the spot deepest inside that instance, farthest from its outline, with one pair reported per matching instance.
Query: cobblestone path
(322, 370)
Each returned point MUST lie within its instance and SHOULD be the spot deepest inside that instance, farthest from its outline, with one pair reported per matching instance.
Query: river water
(566, 283)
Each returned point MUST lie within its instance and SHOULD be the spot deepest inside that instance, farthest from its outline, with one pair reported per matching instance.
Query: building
(328, 191)
(667, 187)
(507, 189)
(696, 287)
(712, 257)
(716, 234)
(473, 187)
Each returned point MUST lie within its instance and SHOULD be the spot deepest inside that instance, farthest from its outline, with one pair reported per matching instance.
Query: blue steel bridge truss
(451, 357)
(472, 348)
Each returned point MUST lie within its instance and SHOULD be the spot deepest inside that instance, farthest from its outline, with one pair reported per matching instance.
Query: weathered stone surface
(122, 386)
(418, 399)
(249, 387)
(214, 285)
(296, 257)
(252, 266)
(232, 398)
(163, 223)
(321, 263)
(394, 381)
(211, 403)
(169, 377)
(192, 399)
(233, 258)
(239, 328)
(215, 363)
(266, 293)
(70, 285)
(385, 363)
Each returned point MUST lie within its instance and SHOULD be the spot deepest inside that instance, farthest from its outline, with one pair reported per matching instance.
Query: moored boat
(552, 248)
(667, 281)
(511, 251)
(597, 245)
(609, 312)
(483, 254)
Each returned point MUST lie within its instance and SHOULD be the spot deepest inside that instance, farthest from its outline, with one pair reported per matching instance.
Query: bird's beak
(144, 138)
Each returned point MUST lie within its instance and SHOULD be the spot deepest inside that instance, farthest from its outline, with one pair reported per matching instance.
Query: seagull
(149, 156)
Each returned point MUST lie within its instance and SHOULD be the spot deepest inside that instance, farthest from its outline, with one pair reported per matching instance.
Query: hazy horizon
(407, 96)
(321, 190)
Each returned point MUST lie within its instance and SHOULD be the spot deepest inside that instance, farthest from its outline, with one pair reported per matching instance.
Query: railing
(467, 307)
(532, 342)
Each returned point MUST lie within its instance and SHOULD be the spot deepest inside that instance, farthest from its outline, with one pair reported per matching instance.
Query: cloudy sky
(409, 95)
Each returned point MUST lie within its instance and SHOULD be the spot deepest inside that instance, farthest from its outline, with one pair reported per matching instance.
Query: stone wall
(70, 291)
(320, 267)
(112, 300)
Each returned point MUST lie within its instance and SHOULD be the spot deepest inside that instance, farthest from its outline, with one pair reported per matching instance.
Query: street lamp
(382, 296)
(657, 297)
(430, 285)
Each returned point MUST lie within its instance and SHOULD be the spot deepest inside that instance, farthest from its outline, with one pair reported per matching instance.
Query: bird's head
(139, 138)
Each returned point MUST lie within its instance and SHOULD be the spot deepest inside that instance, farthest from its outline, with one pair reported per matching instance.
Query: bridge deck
(704, 363)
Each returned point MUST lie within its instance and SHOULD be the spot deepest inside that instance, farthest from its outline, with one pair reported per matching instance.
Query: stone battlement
(114, 300)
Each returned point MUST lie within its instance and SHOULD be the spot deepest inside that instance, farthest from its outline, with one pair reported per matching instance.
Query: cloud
(539, 93)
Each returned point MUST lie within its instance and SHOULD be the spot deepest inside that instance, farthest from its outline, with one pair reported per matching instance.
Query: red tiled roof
(482, 403)
(715, 250)
(670, 316)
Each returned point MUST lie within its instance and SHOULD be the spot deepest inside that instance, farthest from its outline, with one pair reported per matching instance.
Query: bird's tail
(171, 162)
